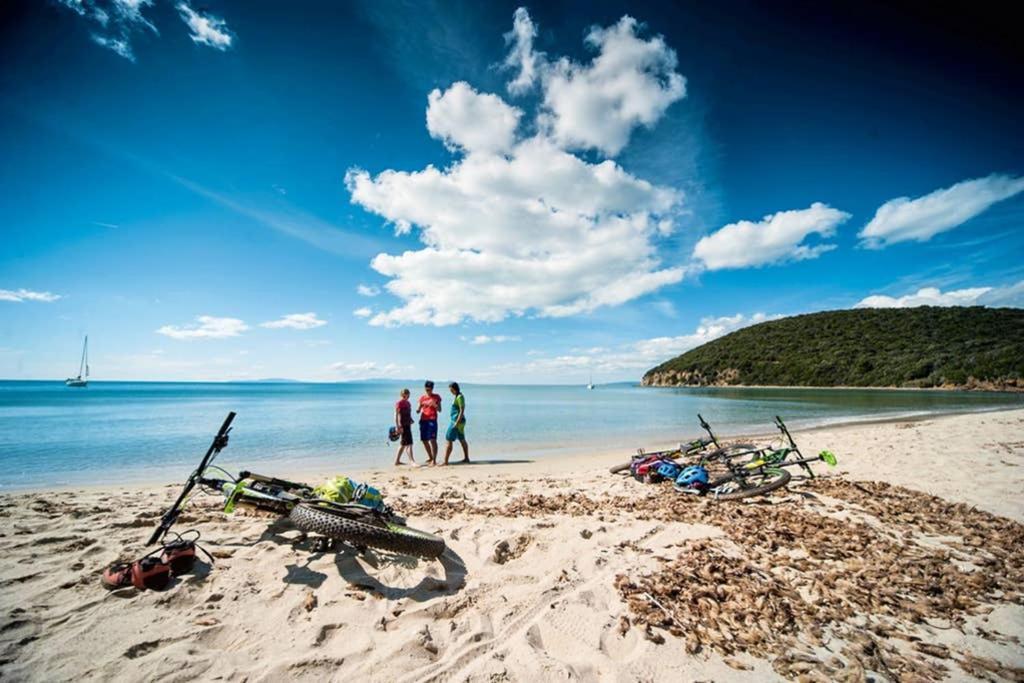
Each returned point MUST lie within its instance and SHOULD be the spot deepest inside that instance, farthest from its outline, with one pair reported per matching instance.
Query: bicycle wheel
(396, 538)
(734, 487)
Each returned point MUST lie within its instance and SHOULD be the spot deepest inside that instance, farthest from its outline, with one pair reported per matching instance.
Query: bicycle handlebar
(220, 441)
(707, 428)
(785, 432)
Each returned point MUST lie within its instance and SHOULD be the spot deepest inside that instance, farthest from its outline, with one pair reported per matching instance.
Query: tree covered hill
(976, 348)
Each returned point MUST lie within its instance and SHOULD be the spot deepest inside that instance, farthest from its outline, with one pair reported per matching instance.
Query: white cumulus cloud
(295, 321)
(205, 327)
(1009, 296)
(476, 122)
(776, 238)
(631, 82)
(363, 312)
(903, 219)
(19, 295)
(206, 29)
(518, 224)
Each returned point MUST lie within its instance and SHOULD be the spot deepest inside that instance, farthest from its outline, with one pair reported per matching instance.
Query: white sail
(83, 368)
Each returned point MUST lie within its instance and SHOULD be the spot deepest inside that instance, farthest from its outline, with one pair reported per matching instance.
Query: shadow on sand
(354, 566)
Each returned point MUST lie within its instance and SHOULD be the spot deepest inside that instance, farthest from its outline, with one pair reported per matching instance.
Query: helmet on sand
(694, 476)
(669, 470)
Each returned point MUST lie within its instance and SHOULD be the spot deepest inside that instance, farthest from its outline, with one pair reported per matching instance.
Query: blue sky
(475, 191)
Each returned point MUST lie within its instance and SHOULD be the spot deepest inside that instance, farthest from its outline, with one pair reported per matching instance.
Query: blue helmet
(693, 476)
(669, 470)
(393, 434)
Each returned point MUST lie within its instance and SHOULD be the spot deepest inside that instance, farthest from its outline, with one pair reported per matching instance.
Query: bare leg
(447, 451)
(433, 451)
(465, 450)
(398, 455)
(411, 459)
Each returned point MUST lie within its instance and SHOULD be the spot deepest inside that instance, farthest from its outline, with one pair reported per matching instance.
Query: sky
(487, 192)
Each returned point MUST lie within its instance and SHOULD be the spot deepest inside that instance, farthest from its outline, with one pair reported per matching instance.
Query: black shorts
(407, 434)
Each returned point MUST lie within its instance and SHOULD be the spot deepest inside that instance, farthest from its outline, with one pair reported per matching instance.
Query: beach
(905, 562)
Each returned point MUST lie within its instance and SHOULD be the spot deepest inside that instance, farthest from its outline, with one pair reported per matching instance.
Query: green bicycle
(345, 511)
(763, 473)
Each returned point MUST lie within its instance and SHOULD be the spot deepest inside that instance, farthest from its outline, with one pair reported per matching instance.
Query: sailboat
(81, 380)
(590, 384)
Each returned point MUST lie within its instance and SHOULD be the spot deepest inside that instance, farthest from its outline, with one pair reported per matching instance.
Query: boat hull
(76, 382)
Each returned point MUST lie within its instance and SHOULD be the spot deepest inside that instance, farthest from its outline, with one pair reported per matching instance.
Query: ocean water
(114, 432)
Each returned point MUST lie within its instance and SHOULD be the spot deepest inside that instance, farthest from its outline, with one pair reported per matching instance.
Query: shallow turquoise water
(123, 431)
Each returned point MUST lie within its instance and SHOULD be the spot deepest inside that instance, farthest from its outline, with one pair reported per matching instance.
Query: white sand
(550, 612)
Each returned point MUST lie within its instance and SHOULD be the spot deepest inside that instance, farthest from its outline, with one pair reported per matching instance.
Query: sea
(155, 432)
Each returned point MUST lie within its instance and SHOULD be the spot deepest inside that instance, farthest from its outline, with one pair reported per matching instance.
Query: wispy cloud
(19, 295)
(776, 238)
(367, 290)
(206, 29)
(919, 219)
(366, 369)
(363, 312)
(639, 355)
(287, 219)
(205, 327)
(120, 46)
(115, 22)
(1009, 296)
(295, 321)
(492, 339)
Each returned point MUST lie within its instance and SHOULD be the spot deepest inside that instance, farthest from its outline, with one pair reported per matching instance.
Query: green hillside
(977, 348)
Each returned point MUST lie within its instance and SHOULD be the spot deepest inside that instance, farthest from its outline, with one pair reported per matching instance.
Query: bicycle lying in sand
(643, 462)
(763, 473)
(344, 510)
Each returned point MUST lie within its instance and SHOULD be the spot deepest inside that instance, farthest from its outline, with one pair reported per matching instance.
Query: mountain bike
(686, 450)
(763, 473)
(349, 512)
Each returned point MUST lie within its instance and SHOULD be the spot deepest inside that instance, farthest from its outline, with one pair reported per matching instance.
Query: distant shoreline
(957, 389)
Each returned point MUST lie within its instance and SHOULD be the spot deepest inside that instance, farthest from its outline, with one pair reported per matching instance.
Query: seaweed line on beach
(824, 596)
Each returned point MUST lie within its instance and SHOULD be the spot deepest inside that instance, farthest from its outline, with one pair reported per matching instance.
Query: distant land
(927, 347)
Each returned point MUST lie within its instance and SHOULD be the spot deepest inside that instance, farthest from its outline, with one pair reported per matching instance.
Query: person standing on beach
(457, 428)
(428, 408)
(403, 421)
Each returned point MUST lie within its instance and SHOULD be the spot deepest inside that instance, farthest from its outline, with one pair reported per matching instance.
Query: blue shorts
(428, 430)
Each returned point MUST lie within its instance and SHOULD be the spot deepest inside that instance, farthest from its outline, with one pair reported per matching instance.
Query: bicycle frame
(268, 494)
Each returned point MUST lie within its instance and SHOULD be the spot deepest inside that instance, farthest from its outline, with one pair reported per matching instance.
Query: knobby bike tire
(780, 477)
(393, 537)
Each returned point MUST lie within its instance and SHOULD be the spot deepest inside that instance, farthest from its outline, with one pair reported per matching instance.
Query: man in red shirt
(428, 408)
